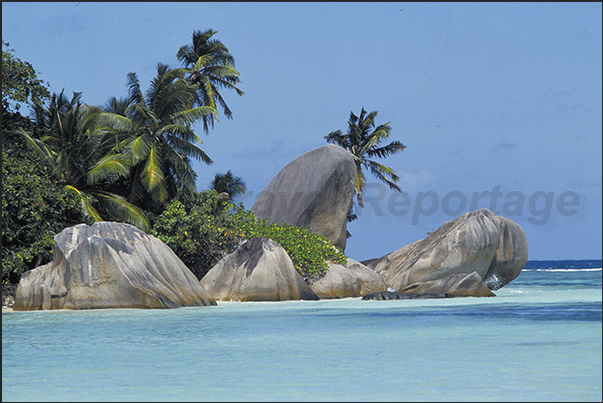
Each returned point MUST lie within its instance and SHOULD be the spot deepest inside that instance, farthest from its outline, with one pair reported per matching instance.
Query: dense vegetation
(201, 228)
(34, 207)
(19, 81)
(130, 160)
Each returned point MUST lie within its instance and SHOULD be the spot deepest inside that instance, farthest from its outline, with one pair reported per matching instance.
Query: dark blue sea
(538, 340)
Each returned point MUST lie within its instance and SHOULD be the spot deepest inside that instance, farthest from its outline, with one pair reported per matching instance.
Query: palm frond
(39, 148)
(186, 55)
(111, 164)
(192, 116)
(122, 210)
(115, 121)
(152, 173)
(222, 71)
(173, 132)
(228, 82)
(172, 99)
(181, 168)
(86, 206)
(202, 61)
(228, 183)
(393, 148)
(380, 170)
(140, 148)
(195, 152)
(337, 138)
(134, 92)
(207, 90)
(222, 103)
(370, 143)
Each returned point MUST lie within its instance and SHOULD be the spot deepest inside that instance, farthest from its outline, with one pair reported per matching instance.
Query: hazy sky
(499, 104)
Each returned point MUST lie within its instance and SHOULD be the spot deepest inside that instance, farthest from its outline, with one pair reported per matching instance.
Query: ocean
(538, 340)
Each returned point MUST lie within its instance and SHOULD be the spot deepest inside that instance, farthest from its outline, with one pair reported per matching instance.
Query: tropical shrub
(201, 234)
(309, 252)
(192, 229)
(19, 81)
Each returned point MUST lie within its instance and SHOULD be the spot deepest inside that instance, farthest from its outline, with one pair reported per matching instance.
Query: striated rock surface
(315, 191)
(466, 285)
(259, 270)
(352, 280)
(110, 265)
(479, 241)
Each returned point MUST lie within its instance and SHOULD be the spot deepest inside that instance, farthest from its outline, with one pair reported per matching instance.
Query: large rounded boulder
(259, 270)
(346, 281)
(314, 191)
(110, 265)
(480, 241)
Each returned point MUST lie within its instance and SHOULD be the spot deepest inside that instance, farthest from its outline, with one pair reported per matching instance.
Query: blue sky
(499, 104)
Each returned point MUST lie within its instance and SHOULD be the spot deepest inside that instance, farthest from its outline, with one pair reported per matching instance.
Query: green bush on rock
(202, 228)
(309, 252)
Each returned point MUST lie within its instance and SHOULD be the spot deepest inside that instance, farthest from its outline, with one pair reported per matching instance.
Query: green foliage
(227, 183)
(210, 66)
(19, 81)
(201, 237)
(75, 162)
(83, 163)
(161, 140)
(72, 143)
(34, 208)
(309, 252)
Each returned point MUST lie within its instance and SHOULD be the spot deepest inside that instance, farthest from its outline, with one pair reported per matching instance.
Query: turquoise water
(539, 339)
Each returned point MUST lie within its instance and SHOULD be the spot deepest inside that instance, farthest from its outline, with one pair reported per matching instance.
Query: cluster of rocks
(115, 265)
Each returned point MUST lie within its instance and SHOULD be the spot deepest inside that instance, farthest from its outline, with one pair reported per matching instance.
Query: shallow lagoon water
(539, 339)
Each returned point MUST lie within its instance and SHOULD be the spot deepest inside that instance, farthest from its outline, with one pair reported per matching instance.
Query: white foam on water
(565, 270)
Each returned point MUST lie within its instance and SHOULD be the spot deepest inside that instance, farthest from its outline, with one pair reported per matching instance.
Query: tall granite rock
(259, 270)
(479, 243)
(110, 265)
(315, 191)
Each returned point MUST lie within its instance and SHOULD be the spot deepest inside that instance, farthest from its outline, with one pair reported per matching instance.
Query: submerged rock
(314, 191)
(388, 295)
(259, 270)
(479, 241)
(110, 265)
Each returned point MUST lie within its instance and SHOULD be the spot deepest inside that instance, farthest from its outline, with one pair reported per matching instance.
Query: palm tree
(161, 140)
(233, 186)
(363, 141)
(210, 66)
(74, 145)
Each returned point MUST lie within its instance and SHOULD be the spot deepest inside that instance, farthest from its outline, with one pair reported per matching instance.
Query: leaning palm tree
(227, 183)
(161, 140)
(363, 141)
(74, 145)
(210, 66)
